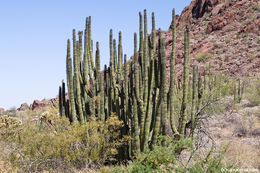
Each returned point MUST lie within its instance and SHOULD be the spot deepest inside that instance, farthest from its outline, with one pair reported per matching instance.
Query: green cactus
(194, 98)
(76, 76)
(70, 84)
(60, 101)
(141, 38)
(182, 121)
(153, 22)
(115, 55)
(90, 44)
(120, 52)
(136, 129)
(172, 75)
(163, 89)
(148, 119)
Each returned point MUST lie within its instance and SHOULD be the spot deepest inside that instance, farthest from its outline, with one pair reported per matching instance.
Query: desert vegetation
(134, 115)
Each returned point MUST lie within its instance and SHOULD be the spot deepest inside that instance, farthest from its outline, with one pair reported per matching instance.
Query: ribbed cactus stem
(157, 123)
(115, 55)
(172, 75)
(185, 83)
(136, 129)
(163, 89)
(141, 38)
(200, 92)
(70, 84)
(60, 101)
(120, 57)
(112, 57)
(235, 92)
(98, 80)
(149, 108)
(76, 76)
(153, 22)
(80, 34)
(239, 91)
(126, 71)
(85, 59)
(194, 98)
(145, 79)
(90, 43)
(63, 94)
(136, 72)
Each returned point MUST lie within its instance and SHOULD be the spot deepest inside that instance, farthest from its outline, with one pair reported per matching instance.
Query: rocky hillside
(224, 33)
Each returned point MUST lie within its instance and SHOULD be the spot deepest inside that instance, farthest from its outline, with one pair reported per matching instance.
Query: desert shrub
(166, 159)
(253, 93)
(11, 112)
(160, 159)
(251, 57)
(228, 40)
(9, 126)
(54, 144)
(203, 56)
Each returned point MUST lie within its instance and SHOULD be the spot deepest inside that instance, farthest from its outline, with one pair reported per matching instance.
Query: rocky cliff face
(224, 33)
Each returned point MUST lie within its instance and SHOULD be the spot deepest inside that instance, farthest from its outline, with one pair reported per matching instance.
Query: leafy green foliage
(253, 93)
(54, 144)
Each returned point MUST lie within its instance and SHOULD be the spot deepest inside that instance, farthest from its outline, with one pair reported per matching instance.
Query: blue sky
(33, 38)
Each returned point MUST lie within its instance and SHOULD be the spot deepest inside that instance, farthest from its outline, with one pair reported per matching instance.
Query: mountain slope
(224, 33)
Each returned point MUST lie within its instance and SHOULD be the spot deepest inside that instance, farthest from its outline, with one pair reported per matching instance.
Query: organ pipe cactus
(182, 121)
(71, 85)
(172, 75)
(76, 76)
(135, 90)
(194, 98)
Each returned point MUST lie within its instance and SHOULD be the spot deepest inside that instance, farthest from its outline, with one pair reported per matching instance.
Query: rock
(217, 9)
(256, 132)
(2, 111)
(219, 23)
(23, 107)
(38, 104)
(195, 10)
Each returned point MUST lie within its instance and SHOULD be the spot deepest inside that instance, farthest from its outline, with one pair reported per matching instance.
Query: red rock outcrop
(39, 104)
(2, 111)
(23, 107)
(195, 10)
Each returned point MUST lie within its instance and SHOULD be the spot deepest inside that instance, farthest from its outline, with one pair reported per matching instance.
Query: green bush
(166, 159)
(228, 40)
(161, 159)
(54, 144)
(253, 92)
(203, 56)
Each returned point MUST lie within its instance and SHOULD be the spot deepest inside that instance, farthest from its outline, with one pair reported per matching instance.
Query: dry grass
(242, 155)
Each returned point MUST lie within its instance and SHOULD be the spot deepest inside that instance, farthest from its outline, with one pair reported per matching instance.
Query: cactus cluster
(137, 90)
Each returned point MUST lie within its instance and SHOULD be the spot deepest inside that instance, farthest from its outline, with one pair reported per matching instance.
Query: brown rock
(219, 22)
(217, 9)
(38, 104)
(2, 111)
(23, 107)
(195, 10)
